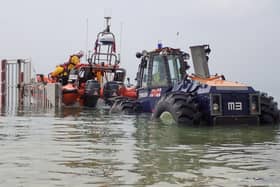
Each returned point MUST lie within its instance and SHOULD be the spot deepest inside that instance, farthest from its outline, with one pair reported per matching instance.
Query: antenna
(86, 42)
(177, 39)
(120, 49)
(107, 16)
(108, 24)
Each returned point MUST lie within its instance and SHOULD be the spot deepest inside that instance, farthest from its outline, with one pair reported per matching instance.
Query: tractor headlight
(255, 104)
(215, 107)
(216, 104)
(253, 107)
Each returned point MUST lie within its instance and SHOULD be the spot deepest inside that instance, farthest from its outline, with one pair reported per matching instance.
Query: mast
(108, 23)
(86, 42)
(120, 48)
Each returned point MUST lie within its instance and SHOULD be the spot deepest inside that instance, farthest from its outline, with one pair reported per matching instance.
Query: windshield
(174, 68)
(159, 73)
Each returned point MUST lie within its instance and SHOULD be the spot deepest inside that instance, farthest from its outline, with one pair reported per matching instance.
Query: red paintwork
(128, 92)
(77, 97)
(69, 94)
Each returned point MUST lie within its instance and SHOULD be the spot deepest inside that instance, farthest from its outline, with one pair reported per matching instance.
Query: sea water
(85, 147)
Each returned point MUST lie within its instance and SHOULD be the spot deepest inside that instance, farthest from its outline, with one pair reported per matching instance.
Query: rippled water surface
(76, 147)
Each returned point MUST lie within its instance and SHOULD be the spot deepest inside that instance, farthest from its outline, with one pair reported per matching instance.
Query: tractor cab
(158, 72)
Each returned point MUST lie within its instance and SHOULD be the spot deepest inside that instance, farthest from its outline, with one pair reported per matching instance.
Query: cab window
(145, 77)
(159, 73)
(174, 68)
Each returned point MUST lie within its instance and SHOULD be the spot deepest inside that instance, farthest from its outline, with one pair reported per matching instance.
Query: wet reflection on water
(80, 147)
(207, 155)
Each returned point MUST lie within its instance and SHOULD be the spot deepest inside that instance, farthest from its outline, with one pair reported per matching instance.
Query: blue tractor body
(221, 105)
(164, 86)
(235, 105)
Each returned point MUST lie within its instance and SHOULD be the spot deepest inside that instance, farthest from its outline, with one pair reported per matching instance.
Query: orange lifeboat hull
(70, 94)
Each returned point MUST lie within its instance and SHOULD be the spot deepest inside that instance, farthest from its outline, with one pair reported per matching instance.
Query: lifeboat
(100, 78)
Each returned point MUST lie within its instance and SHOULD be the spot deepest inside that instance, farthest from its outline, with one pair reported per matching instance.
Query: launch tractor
(165, 88)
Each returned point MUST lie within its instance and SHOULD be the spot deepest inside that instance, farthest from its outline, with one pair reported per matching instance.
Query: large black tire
(182, 107)
(125, 106)
(269, 110)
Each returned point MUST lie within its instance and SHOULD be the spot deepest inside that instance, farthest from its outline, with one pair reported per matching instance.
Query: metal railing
(18, 87)
(14, 74)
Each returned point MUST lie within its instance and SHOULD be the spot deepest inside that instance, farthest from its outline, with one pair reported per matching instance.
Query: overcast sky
(244, 35)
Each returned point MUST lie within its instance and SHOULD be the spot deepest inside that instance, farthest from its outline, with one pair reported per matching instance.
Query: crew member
(62, 71)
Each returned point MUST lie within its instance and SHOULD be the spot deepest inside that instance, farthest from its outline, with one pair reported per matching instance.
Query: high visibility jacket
(59, 71)
(64, 69)
(73, 61)
(99, 77)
